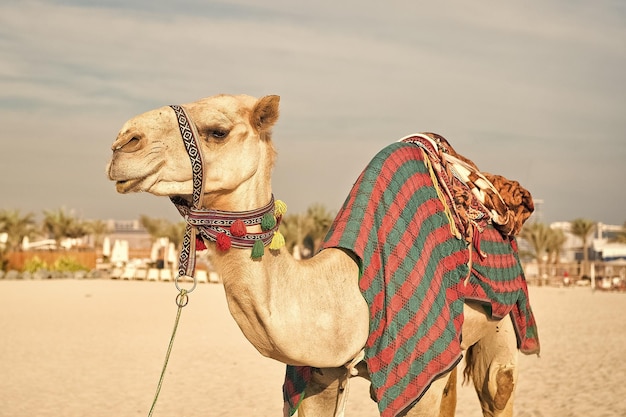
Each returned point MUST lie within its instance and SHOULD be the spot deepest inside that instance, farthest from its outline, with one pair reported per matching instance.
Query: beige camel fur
(300, 312)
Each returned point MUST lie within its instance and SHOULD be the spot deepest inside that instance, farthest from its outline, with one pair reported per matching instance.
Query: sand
(95, 348)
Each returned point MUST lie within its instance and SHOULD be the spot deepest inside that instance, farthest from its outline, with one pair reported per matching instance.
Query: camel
(309, 314)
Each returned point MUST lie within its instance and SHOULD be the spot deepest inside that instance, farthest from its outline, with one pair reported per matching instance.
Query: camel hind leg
(491, 363)
(448, 398)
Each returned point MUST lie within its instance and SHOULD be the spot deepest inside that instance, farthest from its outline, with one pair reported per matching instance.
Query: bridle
(226, 228)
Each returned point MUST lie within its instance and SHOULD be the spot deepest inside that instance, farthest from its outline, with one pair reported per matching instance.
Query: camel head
(235, 140)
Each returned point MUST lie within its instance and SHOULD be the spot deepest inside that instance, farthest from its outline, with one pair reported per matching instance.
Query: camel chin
(129, 186)
(154, 186)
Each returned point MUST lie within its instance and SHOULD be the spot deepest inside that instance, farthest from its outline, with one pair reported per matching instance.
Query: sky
(534, 91)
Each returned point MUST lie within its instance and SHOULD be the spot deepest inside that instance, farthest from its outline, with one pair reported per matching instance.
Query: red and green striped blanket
(413, 274)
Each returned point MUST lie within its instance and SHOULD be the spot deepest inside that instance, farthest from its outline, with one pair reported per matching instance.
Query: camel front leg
(431, 404)
(322, 392)
(492, 365)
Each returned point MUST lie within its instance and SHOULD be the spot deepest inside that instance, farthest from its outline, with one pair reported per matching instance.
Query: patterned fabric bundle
(415, 274)
(509, 204)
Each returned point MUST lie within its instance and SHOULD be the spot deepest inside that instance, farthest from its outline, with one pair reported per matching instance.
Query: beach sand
(95, 348)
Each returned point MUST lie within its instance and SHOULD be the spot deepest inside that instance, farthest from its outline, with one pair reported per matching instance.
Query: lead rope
(344, 384)
(187, 260)
(181, 301)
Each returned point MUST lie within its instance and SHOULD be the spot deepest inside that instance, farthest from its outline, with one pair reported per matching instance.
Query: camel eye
(218, 134)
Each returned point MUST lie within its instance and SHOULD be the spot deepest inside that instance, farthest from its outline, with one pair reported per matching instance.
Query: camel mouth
(127, 186)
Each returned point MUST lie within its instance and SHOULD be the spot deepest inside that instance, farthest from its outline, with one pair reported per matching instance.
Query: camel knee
(496, 393)
(320, 395)
(504, 387)
(324, 384)
(494, 381)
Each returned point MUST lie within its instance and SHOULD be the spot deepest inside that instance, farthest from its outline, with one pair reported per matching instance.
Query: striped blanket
(413, 277)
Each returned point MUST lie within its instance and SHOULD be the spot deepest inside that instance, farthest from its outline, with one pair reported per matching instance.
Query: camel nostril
(131, 145)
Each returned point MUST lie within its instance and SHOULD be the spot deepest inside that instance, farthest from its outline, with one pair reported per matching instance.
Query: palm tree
(294, 228)
(556, 241)
(306, 230)
(583, 228)
(158, 228)
(161, 228)
(98, 229)
(320, 221)
(538, 236)
(17, 227)
(59, 225)
(175, 233)
(152, 225)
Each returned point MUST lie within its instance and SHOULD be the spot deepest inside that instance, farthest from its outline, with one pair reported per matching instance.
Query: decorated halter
(226, 228)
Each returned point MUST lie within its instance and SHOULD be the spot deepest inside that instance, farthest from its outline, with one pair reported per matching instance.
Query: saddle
(476, 194)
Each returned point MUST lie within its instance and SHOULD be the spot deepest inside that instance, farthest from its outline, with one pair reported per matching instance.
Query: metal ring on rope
(193, 287)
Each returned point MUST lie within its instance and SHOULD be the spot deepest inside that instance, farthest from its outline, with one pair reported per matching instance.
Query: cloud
(535, 90)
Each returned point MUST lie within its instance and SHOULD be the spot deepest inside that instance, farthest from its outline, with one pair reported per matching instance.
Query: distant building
(132, 231)
(600, 247)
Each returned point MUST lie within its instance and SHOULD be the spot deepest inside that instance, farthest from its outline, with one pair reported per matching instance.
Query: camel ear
(265, 113)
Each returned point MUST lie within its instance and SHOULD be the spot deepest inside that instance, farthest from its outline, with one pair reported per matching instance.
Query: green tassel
(268, 221)
(257, 250)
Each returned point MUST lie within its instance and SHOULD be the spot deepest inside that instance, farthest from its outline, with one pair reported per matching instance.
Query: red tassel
(223, 242)
(200, 243)
(238, 228)
(476, 242)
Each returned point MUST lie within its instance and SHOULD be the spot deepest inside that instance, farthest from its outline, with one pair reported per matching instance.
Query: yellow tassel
(453, 229)
(278, 241)
(280, 208)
